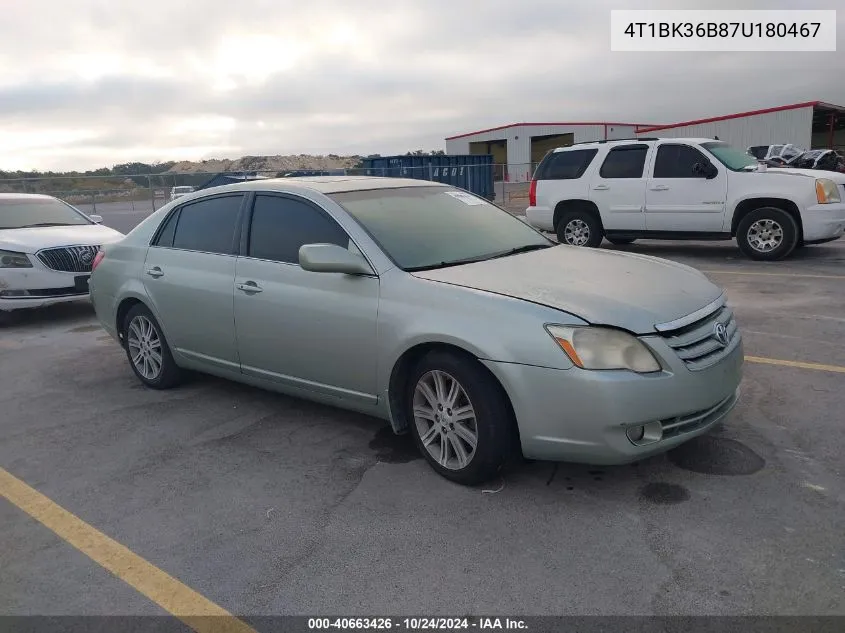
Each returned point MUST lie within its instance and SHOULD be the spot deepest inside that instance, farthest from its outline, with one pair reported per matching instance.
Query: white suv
(686, 188)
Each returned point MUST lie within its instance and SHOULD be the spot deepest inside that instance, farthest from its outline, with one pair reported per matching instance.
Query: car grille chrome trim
(698, 345)
(69, 259)
(695, 316)
(688, 423)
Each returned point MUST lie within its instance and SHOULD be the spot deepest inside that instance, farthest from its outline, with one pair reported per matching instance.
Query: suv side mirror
(331, 258)
(96, 219)
(705, 170)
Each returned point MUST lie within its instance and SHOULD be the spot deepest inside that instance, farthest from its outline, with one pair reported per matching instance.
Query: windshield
(19, 213)
(731, 157)
(432, 227)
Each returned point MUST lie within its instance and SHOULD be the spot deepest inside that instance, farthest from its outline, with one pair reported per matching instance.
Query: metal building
(809, 125)
(518, 147)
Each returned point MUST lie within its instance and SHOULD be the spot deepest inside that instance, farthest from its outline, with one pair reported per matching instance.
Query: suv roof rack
(614, 140)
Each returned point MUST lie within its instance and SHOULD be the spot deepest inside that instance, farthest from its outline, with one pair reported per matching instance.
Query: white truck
(683, 189)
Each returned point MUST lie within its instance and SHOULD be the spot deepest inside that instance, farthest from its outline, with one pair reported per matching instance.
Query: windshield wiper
(455, 262)
(521, 249)
(32, 226)
(480, 258)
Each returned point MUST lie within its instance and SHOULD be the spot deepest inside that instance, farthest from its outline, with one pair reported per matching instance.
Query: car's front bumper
(582, 416)
(824, 221)
(36, 287)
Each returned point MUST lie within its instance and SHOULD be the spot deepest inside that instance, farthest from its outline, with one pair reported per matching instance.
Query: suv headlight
(603, 348)
(826, 191)
(11, 259)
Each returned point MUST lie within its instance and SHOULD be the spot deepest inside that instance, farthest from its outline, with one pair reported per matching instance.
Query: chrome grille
(69, 259)
(697, 344)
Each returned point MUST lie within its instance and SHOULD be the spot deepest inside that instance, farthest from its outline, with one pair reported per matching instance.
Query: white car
(47, 248)
(178, 192)
(683, 188)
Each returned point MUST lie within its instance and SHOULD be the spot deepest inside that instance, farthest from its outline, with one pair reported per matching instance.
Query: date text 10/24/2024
(417, 624)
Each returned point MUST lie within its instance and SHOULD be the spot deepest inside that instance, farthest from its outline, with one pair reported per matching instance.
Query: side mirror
(705, 170)
(330, 258)
(97, 219)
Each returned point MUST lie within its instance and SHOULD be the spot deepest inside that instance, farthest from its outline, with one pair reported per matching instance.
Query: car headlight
(603, 348)
(11, 259)
(826, 191)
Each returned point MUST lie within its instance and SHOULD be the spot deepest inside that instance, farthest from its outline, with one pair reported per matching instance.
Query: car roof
(25, 196)
(325, 184)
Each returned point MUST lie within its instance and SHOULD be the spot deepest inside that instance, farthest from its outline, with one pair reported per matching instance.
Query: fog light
(645, 434)
(635, 433)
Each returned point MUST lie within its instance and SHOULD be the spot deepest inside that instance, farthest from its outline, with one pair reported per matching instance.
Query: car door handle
(155, 271)
(601, 188)
(659, 188)
(249, 286)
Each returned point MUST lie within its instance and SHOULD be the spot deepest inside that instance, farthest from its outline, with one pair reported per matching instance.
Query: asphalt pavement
(267, 505)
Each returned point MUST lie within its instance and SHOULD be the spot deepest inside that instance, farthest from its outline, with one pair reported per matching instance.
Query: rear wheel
(620, 241)
(147, 350)
(579, 228)
(459, 416)
(767, 234)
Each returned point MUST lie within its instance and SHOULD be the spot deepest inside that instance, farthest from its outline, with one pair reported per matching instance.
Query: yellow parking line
(743, 272)
(194, 610)
(794, 363)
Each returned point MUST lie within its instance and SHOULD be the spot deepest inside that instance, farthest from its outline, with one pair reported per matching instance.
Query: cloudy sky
(90, 83)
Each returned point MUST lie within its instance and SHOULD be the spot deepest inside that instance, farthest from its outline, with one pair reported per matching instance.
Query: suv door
(680, 198)
(314, 331)
(618, 187)
(189, 274)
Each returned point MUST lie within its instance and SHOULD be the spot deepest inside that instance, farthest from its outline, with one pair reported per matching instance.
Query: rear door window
(566, 165)
(209, 225)
(624, 161)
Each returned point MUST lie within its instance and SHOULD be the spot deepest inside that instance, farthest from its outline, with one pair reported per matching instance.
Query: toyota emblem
(720, 333)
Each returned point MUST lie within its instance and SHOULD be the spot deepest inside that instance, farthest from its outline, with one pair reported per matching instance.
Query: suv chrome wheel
(765, 235)
(576, 233)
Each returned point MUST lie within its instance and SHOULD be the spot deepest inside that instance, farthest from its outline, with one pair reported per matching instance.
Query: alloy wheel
(144, 346)
(576, 233)
(445, 419)
(765, 236)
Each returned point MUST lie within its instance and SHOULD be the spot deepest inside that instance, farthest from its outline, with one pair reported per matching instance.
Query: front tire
(147, 350)
(767, 234)
(579, 228)
(459, 417)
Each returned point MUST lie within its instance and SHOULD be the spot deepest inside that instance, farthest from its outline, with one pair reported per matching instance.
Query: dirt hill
(266, 163)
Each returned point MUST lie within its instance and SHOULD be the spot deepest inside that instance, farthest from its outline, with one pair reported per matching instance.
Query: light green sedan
(427, 306)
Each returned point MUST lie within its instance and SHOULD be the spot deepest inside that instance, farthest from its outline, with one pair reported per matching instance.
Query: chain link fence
(144, 193)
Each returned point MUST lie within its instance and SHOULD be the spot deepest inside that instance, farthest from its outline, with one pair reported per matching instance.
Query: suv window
(208, 225)
(676, 161)
(624, 161)
(566, 165)
(281, 225)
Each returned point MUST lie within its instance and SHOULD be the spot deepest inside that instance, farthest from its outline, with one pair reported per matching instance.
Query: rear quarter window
(566, 165)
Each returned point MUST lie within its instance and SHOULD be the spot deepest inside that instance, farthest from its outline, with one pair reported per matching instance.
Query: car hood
(835, 176)
(624, 290)
(35, 238)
